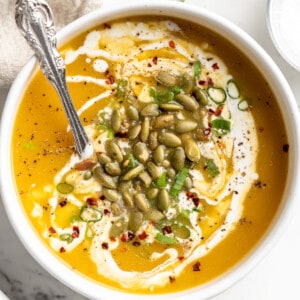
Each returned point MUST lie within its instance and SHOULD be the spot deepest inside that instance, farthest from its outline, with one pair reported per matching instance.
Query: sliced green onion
(90, 214)
(216, 94)
(178, 182)
(232, 89)
(245, 104)
(89, 233)
(165, 239)
(65, 188)
(221, 124)
(162, 97)
(110, 131)
(29, 146)
(197, 68)
(132, 161)
(66, 237)
(162, 180)
(74, 219)
(211, 168)
(121, 88)
(181, 231)
(87, 175)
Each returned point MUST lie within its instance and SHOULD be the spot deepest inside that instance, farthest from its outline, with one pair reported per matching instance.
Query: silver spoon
(34, 19)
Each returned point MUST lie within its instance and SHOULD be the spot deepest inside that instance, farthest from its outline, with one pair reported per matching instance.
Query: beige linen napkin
(14, 51)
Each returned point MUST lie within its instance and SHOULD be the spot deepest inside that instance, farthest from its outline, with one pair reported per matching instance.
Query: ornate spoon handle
(34, 19)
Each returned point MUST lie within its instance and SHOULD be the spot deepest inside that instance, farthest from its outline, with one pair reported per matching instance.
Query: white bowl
(258, 57)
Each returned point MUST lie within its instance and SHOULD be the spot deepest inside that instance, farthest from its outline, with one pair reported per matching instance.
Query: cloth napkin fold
(14, 51)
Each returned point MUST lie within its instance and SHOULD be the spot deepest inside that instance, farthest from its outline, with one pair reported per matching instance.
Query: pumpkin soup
(189, 163)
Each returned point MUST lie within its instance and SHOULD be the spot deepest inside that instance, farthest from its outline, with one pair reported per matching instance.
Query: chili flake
(172, 44)
(62, 250)
(52, 230)
(104, 246)
(196, 267)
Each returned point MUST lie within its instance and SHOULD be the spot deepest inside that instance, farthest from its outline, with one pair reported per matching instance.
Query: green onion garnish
(65, 188)
(221, 124)
(162, 180)
(121, 88)
(216, 94)
(90, 214)
(132, 161)
(178, 182)
(165, 239)
(245, 104)
(232, 89)
(66, 237)
(211, 168)
(197, 68)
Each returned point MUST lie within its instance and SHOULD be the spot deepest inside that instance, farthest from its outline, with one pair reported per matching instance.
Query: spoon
(34, 19)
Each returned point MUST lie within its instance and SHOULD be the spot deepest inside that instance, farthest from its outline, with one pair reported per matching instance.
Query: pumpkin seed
(133, 173)
(170, 107)
(135, 221)
(163, 121)
(141, 152)
(163, 200)
(192, 151)
(116, 209)
(154, 215)
(113, 168)
(201, 96)
(153, 169)
(124, 186)
(188, 183)
(114, 151)
(110, 194)
(145, 178)
(186, 82)
(133, 113)
(103, 158)
(178, 158)
(116, 120)
(128, 199)
(106, 180)
(134, 131)
(145, 130)
(159, 154)
(183, 126)
(165, 78)
(118, 228)
(187, 101)
(150, 110)
(171, 173)
(152, 140)
(169, 139)
(152, 193)
(141, 202)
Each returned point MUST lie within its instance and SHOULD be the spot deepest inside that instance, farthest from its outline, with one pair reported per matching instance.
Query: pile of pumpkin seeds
(161, 138)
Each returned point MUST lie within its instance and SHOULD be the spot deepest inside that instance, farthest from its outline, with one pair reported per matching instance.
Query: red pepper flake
(62, 250)
(191, 194)
(149, 65)
(106, 26)
(219, 110)
(121, 134)
(76, 231)
(104, 246)
(92, 201)
(154, 60)
(102, 197)
(112, 238)
(215, 66)
(52, 230)
(131, 235)
(181, 258)
(172, 44)
(210, 82)
(202, 82)
(196, 267)
(124, 237)
(211, 111)
(110, 80)
(136, 244)
(171, 279)
(63, 203)
(106, 212)
(196, 201)
(207, 131)
(166, 229)
(143, 235)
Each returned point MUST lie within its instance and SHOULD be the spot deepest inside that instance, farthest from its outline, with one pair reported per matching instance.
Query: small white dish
(284, 28)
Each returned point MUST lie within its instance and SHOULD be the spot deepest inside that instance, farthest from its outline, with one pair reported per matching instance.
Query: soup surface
(189, 163)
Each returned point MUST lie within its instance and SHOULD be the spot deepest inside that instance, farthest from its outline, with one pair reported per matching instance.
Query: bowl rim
(25, 231)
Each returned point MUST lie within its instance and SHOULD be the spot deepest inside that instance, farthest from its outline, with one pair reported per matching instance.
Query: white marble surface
(276, 277)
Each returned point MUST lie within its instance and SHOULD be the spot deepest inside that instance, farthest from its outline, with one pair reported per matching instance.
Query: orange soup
(189, 164)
